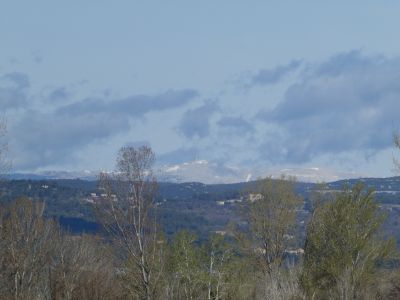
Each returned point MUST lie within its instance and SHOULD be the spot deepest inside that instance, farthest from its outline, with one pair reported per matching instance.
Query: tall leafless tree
(4, 162)
(396, 141)
(39, 261)
(126, 210)
(25, 250)
(80, 270)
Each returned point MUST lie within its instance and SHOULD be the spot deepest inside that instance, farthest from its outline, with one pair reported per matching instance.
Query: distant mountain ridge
(53, 175)
(205, 172)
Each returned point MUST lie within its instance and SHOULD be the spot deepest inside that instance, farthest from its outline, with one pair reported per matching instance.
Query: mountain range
(205, 172)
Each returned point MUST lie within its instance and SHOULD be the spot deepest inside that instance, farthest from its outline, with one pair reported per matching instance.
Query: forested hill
(69, 191)
(195, 206)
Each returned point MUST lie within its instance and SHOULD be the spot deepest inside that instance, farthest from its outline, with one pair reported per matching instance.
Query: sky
(250, 84)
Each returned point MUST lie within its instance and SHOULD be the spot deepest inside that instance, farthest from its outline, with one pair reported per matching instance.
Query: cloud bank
(196, 122)
(13, 90)
(349, 103)
(51, 137)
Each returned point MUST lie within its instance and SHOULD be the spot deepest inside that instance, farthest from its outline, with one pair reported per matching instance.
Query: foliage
(342, 248)
(346, 256)
(271, 219)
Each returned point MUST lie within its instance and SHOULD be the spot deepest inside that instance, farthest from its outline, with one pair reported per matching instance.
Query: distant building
(232, 201)
(254, 197)
(220, 232)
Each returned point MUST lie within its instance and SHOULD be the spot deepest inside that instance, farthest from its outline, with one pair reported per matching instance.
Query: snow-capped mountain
(203, 171)
(50, 175)
(314, 174)
(206, 172)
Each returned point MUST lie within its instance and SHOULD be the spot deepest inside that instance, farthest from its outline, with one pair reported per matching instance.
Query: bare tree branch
(125, 209)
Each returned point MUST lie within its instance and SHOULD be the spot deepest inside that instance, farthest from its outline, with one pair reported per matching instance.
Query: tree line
(343, 255)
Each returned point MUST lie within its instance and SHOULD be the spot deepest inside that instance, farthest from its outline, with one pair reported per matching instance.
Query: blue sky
(255, 84)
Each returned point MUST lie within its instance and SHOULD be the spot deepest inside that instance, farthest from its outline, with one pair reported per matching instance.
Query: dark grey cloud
(41, 139)
(349, 103)
(265, 77)
(133, 106)
(236, 125)
(196, 122)
(13, 90)
(46, 138)
(347, 62)
(59, 94)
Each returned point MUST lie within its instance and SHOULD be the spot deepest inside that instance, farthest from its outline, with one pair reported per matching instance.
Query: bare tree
(4, 162)
(126, 210)
(396, 141)
(25, 250)
(39, 261)
(81, 270)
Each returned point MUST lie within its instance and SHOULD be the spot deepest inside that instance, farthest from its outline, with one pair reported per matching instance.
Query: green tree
(271, 216)
(266, 233)
(219, 257)
(186, 268)
(342, 247)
